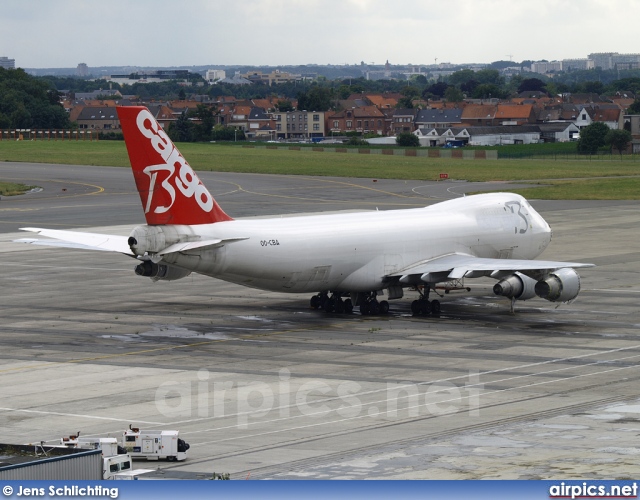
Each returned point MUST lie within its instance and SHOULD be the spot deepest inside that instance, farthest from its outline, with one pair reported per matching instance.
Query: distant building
(272, 78)
(7, 63)
(543, 67)
(299, 124)
(150, 76)
(215, 74)
(82, 70)
(613, 60)
(602, 60)
(577, 64)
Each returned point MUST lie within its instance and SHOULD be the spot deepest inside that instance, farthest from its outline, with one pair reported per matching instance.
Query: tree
(316, 99)
(453, 94)
(405, 102)
(437, 89)
(181, 129)
(460, 77)
(532, 85)
(487, 91)
(491, 76)
(202, 131)
(407, 140)
(618, 139)
(634, 109)
(284, 105)
(592, 137)
(27, 102)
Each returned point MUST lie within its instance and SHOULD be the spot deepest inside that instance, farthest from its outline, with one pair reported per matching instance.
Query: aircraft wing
(459, 265)
(112, 243)
(74, 239)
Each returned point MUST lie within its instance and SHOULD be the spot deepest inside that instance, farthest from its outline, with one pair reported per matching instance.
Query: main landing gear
(333, 304)
(369, 304)
(423, 306)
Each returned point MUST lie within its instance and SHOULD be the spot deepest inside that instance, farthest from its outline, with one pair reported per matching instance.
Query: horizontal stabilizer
(75, 239)
(199, 245)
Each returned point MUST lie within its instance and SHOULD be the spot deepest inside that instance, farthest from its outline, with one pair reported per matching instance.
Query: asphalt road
(263, 387)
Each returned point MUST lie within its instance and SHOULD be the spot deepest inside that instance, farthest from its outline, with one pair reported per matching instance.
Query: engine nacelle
(562, 285)
(160, 271)
(153, 239)
(517, 286)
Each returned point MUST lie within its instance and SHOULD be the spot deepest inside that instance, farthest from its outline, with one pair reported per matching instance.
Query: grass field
(581, 178)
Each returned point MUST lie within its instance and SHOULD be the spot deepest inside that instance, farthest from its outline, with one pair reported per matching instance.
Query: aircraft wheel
(364, 308)
(339, 307)
(435, 307)
(384, 307)
(424, 307)
(329, 305)
(315, 302)
(348, 306)
(415, 307)
(374, 307)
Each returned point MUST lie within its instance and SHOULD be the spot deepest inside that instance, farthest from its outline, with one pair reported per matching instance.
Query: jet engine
(562, 285)
(160, 271)
(517, 286)
(153, 239)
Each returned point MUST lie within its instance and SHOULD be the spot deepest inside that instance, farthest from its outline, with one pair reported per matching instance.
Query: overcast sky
(63, 33)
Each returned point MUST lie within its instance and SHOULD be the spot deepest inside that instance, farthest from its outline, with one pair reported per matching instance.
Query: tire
(364, 309)
(424, 307)
(348, 306)
(384, 307)
(435, 307)
(415, 307)
(374, 307)
(339, 306)
(329, 305)
(315, 302)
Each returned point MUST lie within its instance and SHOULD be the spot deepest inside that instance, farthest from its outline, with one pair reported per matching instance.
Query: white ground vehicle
(115, 459)
(154, 445)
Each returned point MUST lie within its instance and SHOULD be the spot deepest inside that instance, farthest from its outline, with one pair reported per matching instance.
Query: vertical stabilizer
(170, 191)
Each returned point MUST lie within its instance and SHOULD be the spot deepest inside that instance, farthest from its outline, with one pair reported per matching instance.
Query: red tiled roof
(514, 111)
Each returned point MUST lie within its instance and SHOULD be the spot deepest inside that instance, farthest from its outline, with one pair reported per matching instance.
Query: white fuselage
(353, 252)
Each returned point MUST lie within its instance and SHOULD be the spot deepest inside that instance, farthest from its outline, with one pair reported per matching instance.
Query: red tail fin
(170, 191)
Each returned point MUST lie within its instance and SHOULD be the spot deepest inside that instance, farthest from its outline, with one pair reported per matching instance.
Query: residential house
(609, 114)
(240, 117)
(97, 118)
(260, 125)
(514, 114)
(299, 124)
(634, 127)
(369, 119)
(584, 117)
(558, 112)
(478, 115)
(403, 120)
(383, 101)
(163, 114)
(438, 118)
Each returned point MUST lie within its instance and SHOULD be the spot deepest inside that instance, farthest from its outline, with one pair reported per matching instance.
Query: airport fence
(48, 135)
(466, 154)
